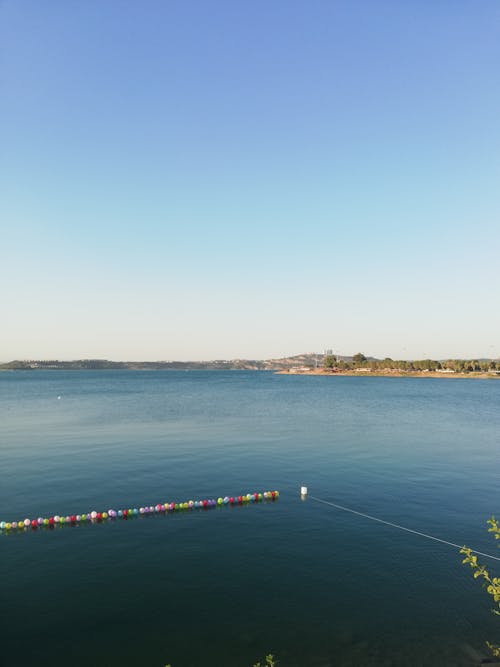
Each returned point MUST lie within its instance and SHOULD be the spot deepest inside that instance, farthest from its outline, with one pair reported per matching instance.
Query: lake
(311, 584)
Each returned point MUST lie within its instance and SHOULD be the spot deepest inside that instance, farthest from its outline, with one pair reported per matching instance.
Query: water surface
(311, 584)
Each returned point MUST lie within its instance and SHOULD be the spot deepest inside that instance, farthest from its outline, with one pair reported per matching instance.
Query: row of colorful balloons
(99, 517)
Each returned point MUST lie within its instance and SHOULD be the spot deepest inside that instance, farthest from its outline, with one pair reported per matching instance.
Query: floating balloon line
(112, 515)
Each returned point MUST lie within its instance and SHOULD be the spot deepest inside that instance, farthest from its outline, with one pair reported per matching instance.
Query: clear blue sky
(199, 180)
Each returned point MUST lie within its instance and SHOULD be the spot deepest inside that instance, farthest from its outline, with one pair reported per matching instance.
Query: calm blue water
(311, 584)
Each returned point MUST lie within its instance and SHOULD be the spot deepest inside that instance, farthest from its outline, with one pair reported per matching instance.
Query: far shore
(390, 373)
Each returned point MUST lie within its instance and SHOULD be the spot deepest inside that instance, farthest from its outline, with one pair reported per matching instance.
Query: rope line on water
(396, 525)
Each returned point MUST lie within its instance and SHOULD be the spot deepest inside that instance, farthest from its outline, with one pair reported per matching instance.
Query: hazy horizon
(217, 180)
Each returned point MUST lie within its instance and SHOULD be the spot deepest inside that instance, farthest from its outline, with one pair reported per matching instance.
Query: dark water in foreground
(313, 585)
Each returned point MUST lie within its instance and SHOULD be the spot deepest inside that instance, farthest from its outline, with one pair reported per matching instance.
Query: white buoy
(303, 491)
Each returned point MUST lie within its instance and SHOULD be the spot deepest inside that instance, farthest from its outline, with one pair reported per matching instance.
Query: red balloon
(99, 516)
(34, 524)
(205, 503)
(73, 519)
(240, 499)
(51, 521)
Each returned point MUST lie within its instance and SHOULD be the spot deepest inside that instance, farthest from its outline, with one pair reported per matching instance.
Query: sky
(218, 179)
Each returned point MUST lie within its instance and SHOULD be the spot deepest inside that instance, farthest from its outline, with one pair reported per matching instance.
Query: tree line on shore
(331, 362)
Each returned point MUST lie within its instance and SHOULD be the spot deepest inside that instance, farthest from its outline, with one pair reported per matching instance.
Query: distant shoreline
(319, 372)
(393, 373)
(304, 364)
